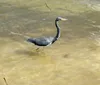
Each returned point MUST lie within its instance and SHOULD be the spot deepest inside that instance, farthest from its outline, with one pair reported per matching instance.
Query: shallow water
(72, 60)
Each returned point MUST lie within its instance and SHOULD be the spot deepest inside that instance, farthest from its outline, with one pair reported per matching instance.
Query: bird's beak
(63, 19)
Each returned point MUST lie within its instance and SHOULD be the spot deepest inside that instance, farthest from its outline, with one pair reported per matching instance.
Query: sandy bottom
(73, 60)
(73, 63)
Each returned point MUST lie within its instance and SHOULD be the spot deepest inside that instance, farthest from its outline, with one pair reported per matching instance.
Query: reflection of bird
(47, 41)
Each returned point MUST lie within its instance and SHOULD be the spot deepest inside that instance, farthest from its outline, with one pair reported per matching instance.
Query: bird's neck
(58, 32)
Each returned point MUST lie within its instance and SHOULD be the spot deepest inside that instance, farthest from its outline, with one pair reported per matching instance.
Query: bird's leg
(37, 49)
(40, 49)
(43, 48)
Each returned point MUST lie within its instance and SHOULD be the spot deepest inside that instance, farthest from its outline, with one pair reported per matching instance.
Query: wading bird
(44, 41)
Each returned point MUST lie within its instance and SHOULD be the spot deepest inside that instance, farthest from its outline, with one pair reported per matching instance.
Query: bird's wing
(44, 40)
(41, 39)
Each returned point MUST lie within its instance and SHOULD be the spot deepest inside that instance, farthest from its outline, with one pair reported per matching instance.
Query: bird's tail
(31, 40)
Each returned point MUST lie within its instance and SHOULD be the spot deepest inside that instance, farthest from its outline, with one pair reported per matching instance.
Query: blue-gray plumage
(45, 41)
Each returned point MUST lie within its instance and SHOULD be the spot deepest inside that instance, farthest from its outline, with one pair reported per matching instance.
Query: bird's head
(60, 18)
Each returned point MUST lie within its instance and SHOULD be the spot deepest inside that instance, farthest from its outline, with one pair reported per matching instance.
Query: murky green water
(73, 60)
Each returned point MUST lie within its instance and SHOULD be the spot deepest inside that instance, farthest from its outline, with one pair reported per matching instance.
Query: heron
(46, 41)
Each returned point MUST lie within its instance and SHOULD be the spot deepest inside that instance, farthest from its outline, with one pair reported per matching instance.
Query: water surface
(73, 60)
